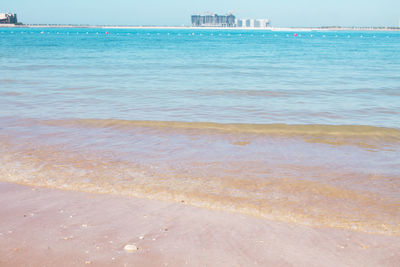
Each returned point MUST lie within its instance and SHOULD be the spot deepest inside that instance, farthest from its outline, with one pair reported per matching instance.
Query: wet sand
(48, 227)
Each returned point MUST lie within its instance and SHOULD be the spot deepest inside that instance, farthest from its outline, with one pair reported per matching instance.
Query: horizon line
(192, 27)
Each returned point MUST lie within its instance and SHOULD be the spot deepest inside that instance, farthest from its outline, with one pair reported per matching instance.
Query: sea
(298, 127)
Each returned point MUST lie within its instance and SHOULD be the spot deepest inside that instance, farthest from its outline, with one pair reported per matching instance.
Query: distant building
(252, 23)
(261, 23)
(239, 22)
(8, 18)
(229, 20)
(213, 20)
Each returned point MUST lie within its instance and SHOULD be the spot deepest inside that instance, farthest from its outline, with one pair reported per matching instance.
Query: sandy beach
(48, 227)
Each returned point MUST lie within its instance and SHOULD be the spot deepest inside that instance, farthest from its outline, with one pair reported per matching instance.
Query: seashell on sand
(131, 248)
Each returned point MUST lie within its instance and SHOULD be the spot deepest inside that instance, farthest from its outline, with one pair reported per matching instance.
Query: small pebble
(364, 246)
(131, 248)
(84, 225)
(141, 237)
(88, 262)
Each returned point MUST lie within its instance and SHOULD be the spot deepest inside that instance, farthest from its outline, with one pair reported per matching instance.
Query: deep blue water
(242, 76)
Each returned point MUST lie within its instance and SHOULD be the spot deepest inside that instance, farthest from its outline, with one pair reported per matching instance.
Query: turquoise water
(299, 129)
(202, 75)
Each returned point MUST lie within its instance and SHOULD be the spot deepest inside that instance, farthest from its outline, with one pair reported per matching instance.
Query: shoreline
(290, 29)
(48, 227)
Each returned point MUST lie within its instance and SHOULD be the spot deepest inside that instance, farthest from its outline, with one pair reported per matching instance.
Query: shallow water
(302, 129)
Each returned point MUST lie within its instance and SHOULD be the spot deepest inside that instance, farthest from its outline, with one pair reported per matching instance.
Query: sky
(282, 13)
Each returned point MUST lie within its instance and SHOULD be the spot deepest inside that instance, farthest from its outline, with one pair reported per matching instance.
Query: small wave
(310, 130)
(277, 198)
(11, 94)
(371, 138)
(245, 93)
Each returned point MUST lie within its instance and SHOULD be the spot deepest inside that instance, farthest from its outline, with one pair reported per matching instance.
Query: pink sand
(46, 227)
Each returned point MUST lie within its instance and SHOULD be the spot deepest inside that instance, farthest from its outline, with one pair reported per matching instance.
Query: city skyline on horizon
(287, 13)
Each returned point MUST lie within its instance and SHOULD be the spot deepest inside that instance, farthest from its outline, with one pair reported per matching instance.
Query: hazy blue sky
(177, 12)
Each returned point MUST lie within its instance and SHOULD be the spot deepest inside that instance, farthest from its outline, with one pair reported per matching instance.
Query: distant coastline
(323, 28)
